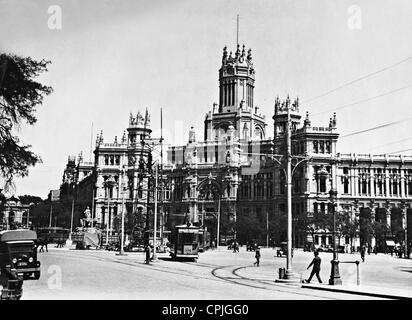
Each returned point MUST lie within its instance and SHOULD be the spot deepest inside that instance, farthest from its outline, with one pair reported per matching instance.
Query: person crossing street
(257, 256)
(316, 267)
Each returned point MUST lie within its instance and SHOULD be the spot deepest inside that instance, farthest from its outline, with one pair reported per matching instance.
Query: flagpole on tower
(237, 30)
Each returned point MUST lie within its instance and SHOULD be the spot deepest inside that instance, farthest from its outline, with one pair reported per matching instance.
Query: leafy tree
(28, 199)
(350, 227)
(61, 214)
(316, 222)
(19, 96)
(248, 228)
(380, 230)
(278, 228)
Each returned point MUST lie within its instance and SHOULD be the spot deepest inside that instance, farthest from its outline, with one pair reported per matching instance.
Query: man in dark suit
(316, 267)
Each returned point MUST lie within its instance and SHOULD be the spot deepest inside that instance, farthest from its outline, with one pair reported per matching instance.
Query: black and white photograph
(205, 155)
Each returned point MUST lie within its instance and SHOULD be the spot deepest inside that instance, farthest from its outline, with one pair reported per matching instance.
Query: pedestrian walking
(400, 252)
(212, 245)
(362, 253)
(235, 247)
(147, 251)
(316, 267)
(41, 247)
(257, 256)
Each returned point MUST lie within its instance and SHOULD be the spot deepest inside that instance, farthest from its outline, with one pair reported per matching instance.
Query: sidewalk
(372, 291)
(382, 277)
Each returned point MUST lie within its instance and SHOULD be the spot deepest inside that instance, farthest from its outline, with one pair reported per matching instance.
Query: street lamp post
(334, 274)
(218, 224)
(123, 188)
(71, 220)
(154, 257)
(108, 183)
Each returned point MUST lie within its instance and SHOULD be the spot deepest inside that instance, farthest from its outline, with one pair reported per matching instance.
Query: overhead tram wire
(357, 80)
(390, 143)
(376, 128)
(364, 100)
(399, 151)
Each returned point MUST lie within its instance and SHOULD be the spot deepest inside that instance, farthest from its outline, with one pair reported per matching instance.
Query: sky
(110, 58)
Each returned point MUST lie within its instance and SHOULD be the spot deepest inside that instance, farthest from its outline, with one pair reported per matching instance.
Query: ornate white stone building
(231, 170)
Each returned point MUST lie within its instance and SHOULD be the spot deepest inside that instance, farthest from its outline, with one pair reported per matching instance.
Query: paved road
(218, 274)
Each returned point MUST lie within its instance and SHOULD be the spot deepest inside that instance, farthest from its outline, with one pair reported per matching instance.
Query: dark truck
(18, 261)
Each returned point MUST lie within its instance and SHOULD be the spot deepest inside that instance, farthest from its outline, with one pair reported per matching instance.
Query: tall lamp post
(110, 182)
(334, 274)
(154, 256)
(123, 189)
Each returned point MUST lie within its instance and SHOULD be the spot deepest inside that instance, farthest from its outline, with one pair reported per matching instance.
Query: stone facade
(237, 170)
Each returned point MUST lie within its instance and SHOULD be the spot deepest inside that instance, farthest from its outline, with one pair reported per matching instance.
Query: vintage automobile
(283, 250)
(18, 254)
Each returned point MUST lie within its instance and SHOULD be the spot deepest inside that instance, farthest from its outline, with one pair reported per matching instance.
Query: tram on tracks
(185, 242)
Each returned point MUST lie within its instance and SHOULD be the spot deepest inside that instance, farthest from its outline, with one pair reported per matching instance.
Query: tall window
(321, 146)
(322, 184)
(328, 147)
(395, 187)
(315, 147)
(345, 185)
(322, 208)
(364, 187)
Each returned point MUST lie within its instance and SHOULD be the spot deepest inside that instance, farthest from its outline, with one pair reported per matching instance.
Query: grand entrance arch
(215, 208)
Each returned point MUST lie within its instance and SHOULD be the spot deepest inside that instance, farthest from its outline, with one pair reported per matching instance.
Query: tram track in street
(151, 266)
(232, 273)
(273, 286)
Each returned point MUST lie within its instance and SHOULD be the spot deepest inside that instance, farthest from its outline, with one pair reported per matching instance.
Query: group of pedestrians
(42, 243)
